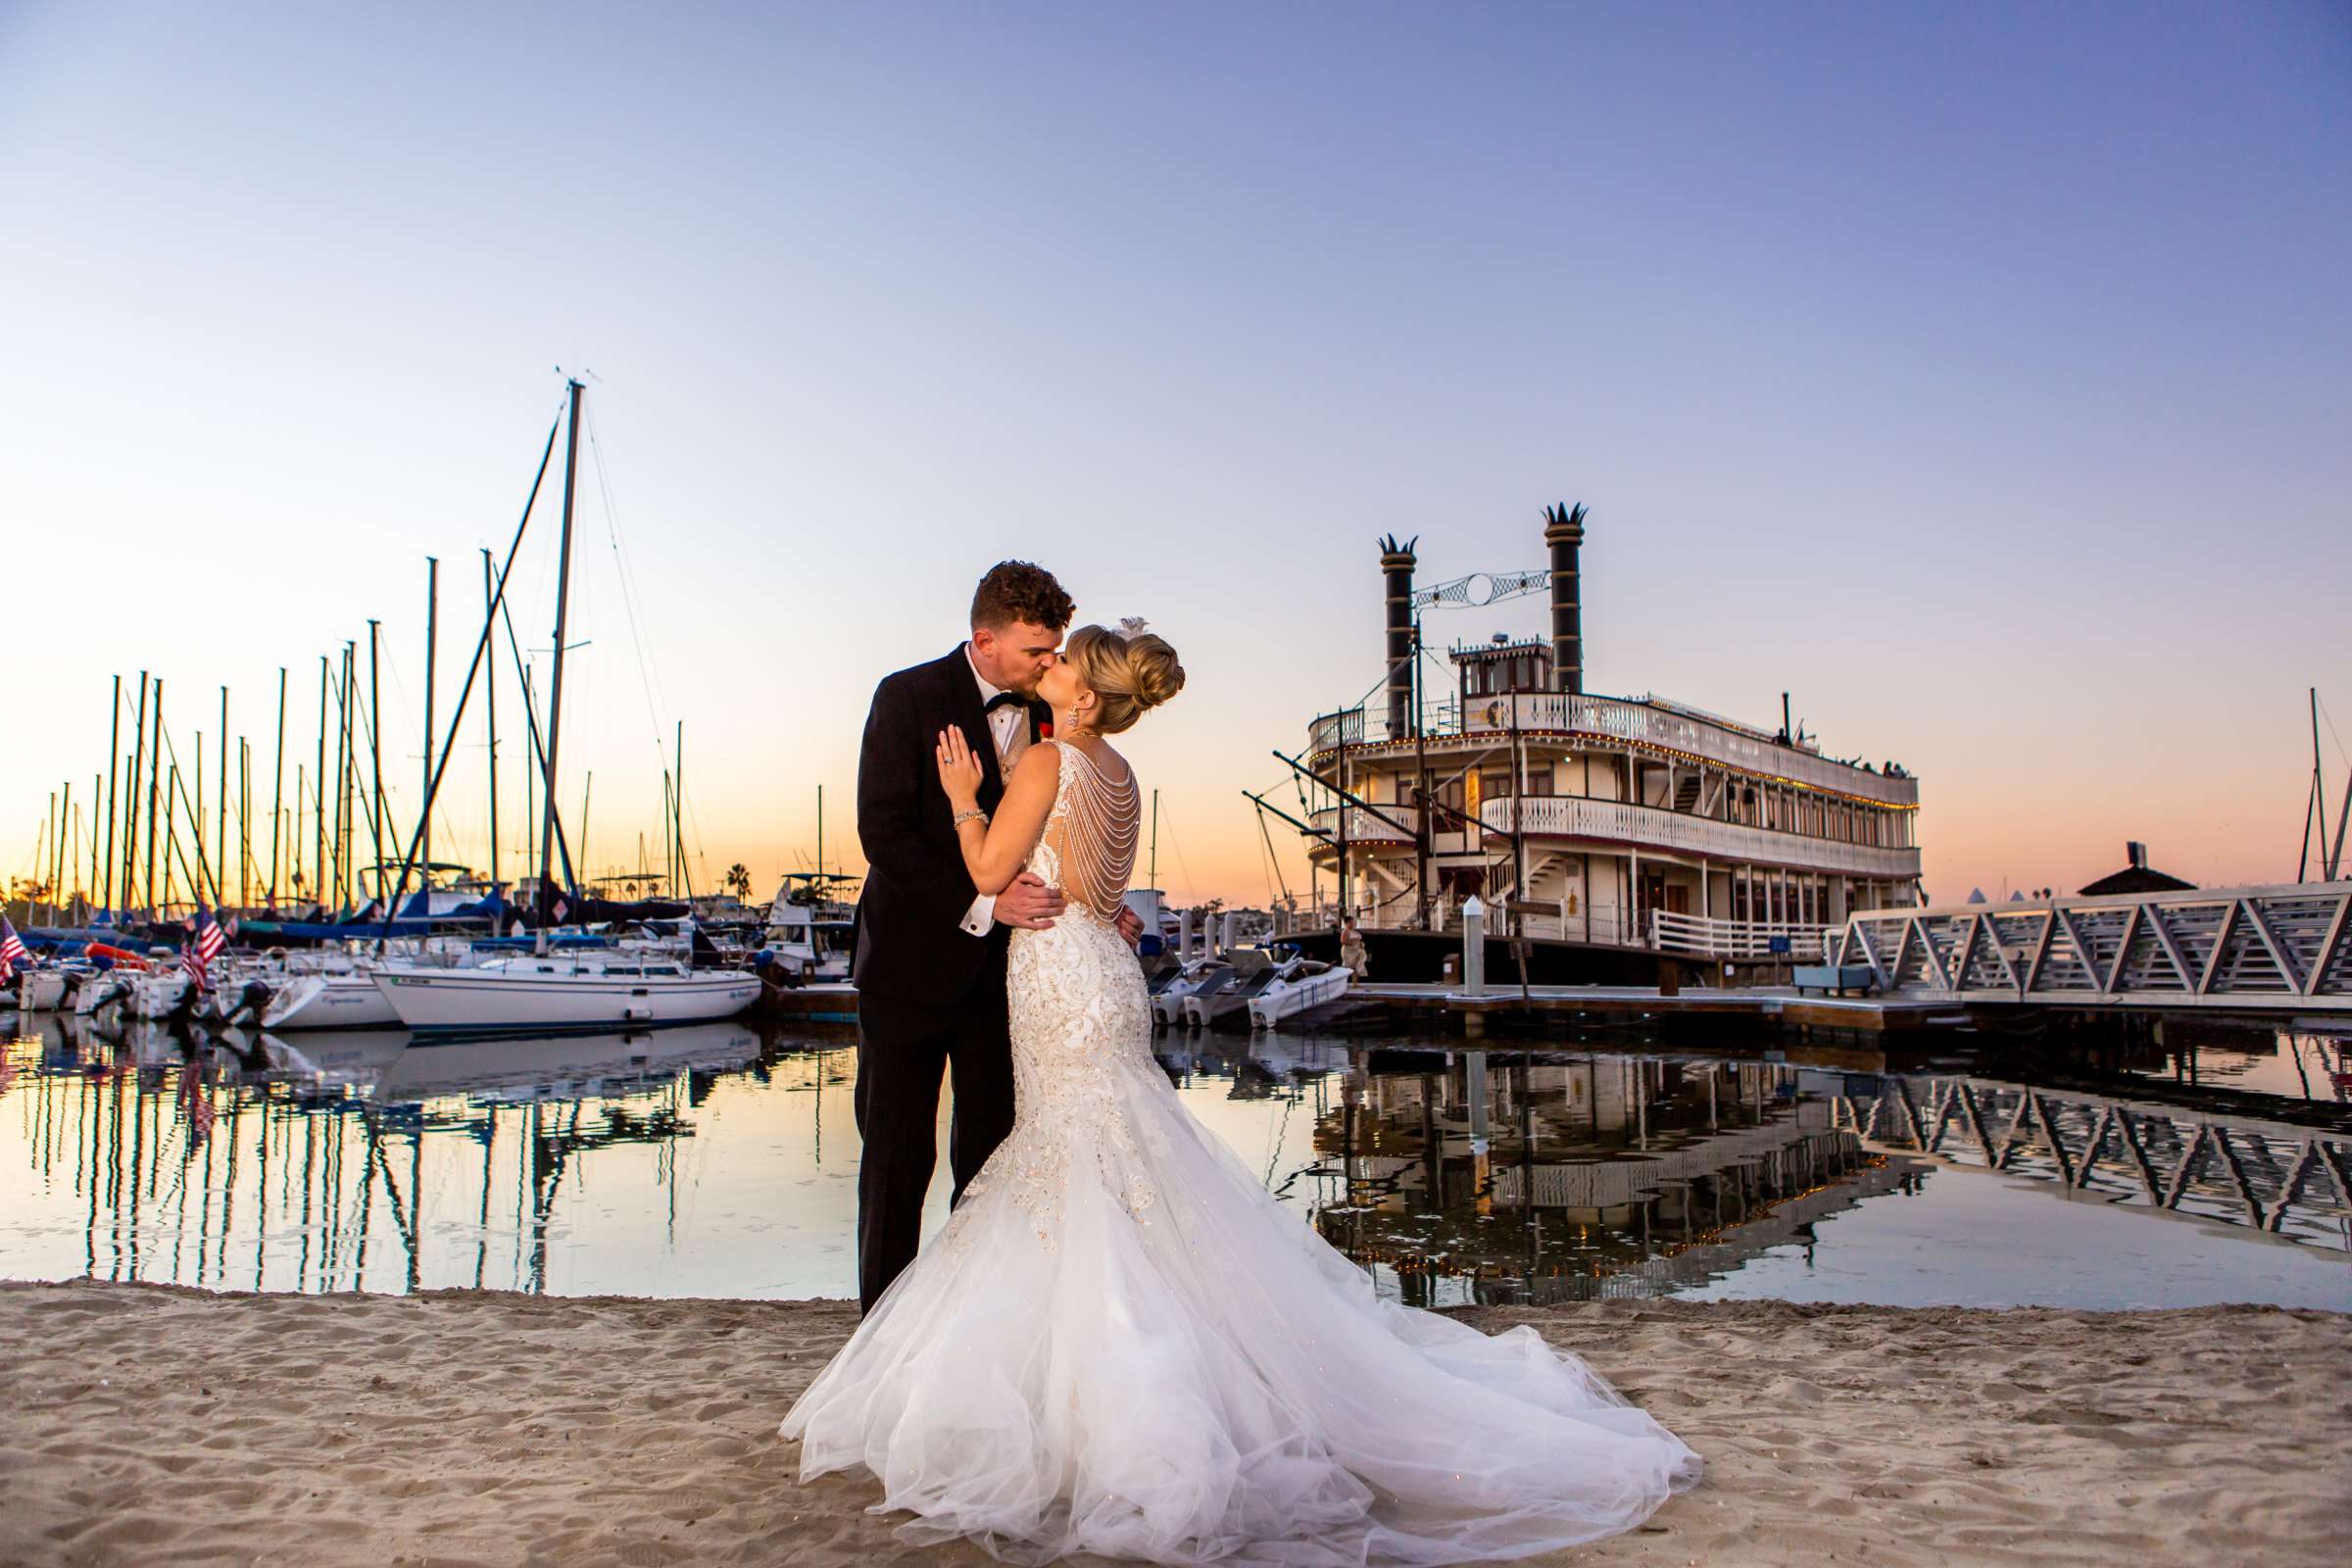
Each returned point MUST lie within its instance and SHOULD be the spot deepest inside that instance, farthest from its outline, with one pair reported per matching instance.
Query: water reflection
(713, 1161)
(1466, 1175)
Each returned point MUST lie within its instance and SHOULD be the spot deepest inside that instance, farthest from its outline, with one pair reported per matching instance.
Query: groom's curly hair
(1015, 590)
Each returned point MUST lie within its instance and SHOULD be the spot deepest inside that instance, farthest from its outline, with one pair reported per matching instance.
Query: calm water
(713, 1161)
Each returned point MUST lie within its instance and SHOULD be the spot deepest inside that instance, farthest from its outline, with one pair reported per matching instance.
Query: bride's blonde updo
(1129, 671)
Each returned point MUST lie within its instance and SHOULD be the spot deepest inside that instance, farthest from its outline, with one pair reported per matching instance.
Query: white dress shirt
(1008, 727)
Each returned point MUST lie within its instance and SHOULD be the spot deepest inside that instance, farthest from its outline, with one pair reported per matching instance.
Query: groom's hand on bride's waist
(1028, 904)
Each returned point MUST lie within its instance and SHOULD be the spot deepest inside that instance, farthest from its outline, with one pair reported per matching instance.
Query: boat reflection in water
(708, 1160)
(357, 1159)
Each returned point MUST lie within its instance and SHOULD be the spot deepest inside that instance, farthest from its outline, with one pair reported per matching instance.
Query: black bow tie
(1006, 699)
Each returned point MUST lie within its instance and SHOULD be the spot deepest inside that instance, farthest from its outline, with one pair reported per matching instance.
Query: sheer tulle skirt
(1122, 1343)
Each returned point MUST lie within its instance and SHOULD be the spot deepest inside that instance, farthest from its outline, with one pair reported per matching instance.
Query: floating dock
(1443, 1008)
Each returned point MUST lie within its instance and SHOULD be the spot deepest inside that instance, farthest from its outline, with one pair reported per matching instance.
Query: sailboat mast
(678, 804)
(432, 638)
(530, 814)
(555, 694)
(114, 749)
(196, 817)
(278, 788)
(155, 785)
(319, 788)
(375, 748)
(490, 694)
(244, 823)
(130, 792)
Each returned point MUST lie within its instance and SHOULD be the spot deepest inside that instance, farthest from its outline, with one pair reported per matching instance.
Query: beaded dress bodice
(1088, 846)
(1078, 1007)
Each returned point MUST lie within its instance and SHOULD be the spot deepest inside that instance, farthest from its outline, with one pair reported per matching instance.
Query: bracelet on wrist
(963, 817)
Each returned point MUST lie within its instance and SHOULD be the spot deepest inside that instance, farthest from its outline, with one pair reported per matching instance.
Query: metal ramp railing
(2278, 949)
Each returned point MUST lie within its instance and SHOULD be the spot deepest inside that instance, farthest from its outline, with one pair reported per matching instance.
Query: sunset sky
(1980, 375)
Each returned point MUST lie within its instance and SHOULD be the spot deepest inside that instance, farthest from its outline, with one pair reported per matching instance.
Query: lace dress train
(1122, 1343)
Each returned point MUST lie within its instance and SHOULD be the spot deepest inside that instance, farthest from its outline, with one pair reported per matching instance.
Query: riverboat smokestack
(1564, 532)
(1396, 575)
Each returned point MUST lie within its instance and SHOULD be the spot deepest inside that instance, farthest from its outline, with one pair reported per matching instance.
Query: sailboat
(542, 993)
(548, 995)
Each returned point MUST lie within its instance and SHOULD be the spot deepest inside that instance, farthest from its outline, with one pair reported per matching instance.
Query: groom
(929, 958)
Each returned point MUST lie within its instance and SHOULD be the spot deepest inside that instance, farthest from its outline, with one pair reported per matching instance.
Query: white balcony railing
(1396, 824)
(1614, 718)
(1572, 816)
(1619, 720)
(1704, 938)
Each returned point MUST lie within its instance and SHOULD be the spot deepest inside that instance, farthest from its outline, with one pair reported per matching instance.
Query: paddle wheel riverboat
(1608, 831)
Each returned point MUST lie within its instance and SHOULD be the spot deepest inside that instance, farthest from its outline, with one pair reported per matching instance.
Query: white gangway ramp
(2285, 948)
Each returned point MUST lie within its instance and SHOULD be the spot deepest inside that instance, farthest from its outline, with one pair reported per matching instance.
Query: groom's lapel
(971, 716)
(1041, 721)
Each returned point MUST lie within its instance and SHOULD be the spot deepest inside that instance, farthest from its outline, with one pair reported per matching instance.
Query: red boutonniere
(1045, 729)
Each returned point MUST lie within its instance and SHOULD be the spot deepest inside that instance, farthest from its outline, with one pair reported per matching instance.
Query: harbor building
(1610, 826)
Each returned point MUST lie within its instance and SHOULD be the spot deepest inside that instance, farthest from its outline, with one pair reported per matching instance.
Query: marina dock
(1417, 1008)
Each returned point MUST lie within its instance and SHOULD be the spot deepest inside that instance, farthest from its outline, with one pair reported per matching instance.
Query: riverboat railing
(1699, 937)
(1392, 824)
(1668, 730)
(1656, 826)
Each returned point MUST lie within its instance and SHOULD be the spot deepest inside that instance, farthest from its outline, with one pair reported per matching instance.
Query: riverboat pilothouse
(1610, 830)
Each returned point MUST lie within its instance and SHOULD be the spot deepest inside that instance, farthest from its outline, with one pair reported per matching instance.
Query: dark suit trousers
(901, 1048)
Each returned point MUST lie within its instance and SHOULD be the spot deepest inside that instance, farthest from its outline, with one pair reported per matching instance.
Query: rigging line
(195, 882)
(400, 695)
(656, 701)
(466, 691)
(2330, 718)
(1265, 859)
(1192, 889)
(530, 715)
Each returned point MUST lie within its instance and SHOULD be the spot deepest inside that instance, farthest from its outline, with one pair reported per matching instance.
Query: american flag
(12, 950)
(204, 942)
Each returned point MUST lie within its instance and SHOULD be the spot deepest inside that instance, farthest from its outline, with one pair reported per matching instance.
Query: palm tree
(738, 878)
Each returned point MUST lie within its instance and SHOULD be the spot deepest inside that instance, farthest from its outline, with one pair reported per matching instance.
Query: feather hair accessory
(1131, 628)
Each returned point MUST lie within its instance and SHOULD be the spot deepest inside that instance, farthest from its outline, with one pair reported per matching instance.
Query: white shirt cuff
(981, 917)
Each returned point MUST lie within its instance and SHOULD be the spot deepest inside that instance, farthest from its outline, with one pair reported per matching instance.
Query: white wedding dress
(1121, 1344)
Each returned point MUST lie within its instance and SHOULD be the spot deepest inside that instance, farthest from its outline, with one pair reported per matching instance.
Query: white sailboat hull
(156, 996)
(41, 990)
(330, 1002)
(495, 1002)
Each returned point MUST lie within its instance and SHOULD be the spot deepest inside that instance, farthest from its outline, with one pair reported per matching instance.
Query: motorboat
(810, 930)
(1199, 975)
(1297, 986)
(1252, 970)
(535, 994)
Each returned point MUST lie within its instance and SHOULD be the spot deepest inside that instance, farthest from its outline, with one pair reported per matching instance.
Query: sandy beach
(149, 1424)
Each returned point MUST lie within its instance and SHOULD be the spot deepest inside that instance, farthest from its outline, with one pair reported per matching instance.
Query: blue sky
(1977, 373)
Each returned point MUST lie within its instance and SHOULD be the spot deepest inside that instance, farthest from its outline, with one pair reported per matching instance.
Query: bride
(1121, 1344)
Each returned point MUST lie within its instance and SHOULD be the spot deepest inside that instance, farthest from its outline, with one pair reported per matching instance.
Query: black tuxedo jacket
(909, 938)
